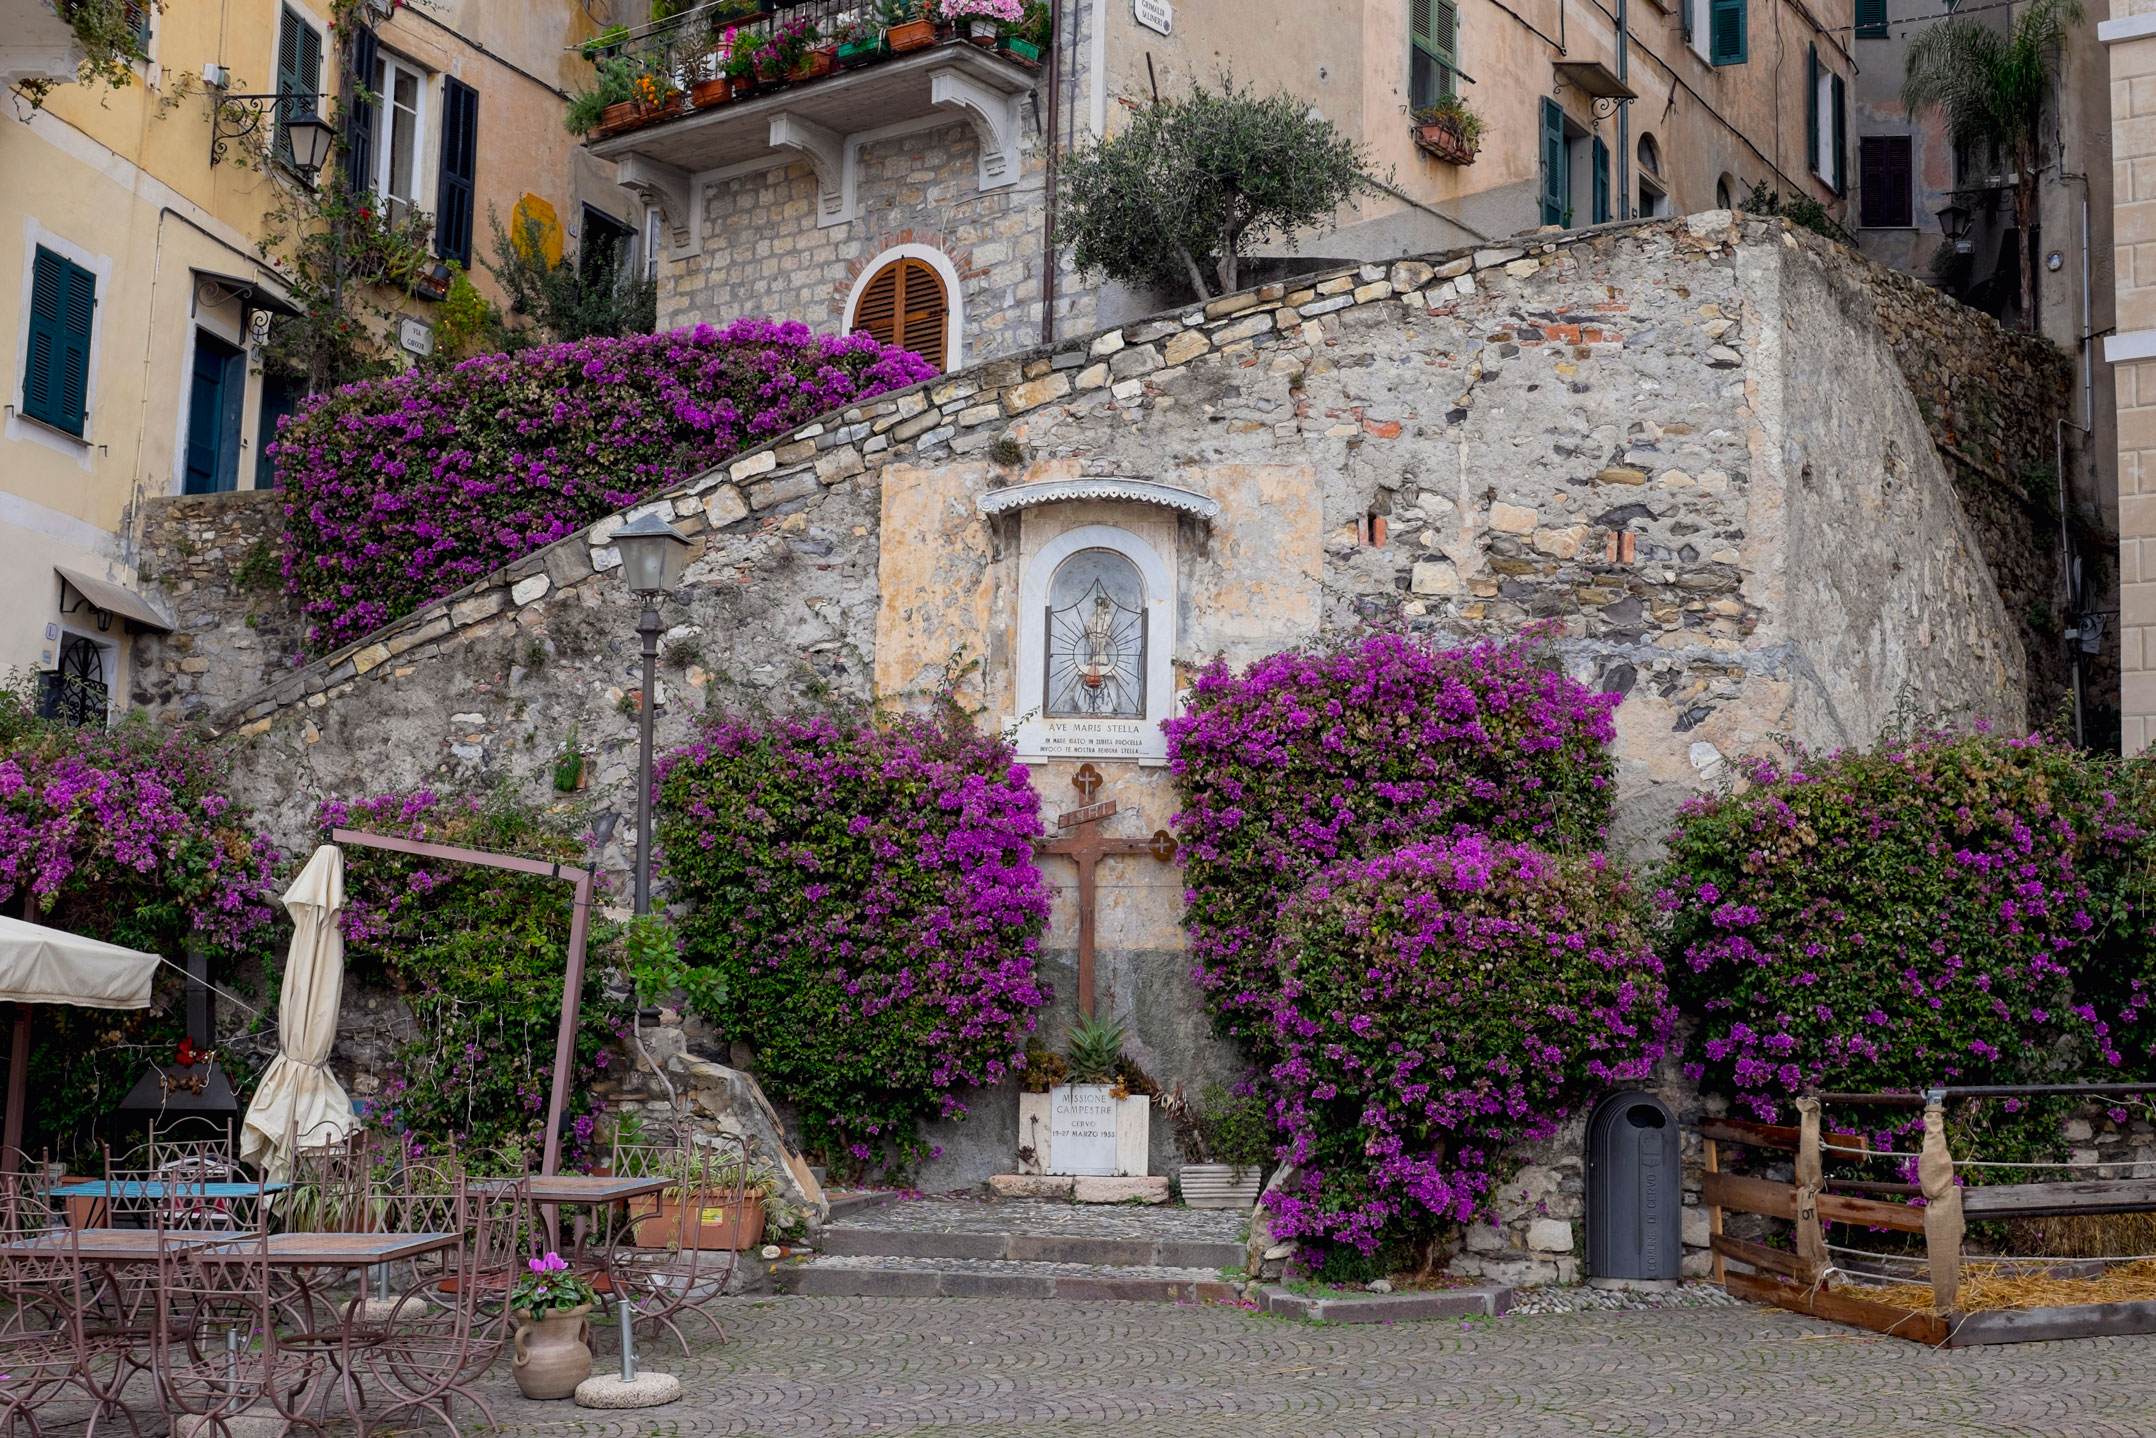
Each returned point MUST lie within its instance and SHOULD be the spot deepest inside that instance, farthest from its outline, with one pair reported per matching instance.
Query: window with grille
(904, 304)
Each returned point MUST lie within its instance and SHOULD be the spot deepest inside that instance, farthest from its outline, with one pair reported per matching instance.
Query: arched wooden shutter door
(904, 305)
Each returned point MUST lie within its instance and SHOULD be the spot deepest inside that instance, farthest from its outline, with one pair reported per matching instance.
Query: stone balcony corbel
(830, 154)
(995, 118)
(668, 187)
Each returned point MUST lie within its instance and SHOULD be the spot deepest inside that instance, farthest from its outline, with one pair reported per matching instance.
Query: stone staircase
(887, 1246)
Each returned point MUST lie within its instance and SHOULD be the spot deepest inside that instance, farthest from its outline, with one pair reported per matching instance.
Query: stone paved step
(970, 1214)
(1030, 1247)
(853, 1276)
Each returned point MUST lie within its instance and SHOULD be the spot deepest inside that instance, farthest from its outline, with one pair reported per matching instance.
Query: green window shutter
(1434, 50)
(1871, 19)
(1726, 38)
(1556, 188)
(137, 15)
(1811, 108)
(361, 117)
(56, 377)
(1841, 138)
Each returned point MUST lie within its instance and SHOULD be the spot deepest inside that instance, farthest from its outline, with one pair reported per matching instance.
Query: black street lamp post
(652, 555)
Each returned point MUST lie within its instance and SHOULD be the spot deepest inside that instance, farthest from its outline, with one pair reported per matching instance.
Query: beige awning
(51, 966)
(115, 599)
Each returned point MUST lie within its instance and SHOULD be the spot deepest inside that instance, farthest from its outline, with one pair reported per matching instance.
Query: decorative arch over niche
(1067, 636)
(915, 280)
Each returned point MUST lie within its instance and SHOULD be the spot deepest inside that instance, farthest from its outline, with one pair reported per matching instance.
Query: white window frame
(1700, 14)
(19, 425)
(653, 240)
(385, 120)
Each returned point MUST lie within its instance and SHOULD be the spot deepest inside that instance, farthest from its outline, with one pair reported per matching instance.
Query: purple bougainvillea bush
(1310, 758)
(866, 914)
(402, 490)
(1432, 1008)
(1928, 912)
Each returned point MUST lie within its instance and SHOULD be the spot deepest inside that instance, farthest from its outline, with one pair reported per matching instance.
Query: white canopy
(299, 1097)
(51, 966)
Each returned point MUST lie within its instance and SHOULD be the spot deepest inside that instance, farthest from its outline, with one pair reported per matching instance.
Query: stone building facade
(1706, 451)
(2130, 39)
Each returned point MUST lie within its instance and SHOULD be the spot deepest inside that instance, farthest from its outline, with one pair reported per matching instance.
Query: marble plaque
(1081, 1127)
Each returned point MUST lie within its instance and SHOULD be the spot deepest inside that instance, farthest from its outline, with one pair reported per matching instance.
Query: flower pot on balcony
(815, 67)
(865, 52)
(711, 92)
(913, 35)
(1446, 140)
(983, 32)
(1019, 49)
(616, 118)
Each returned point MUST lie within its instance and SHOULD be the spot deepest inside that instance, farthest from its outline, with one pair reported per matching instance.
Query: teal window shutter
(1726, 38)
(1602, 182)
(1871, 20)
(1556, 187)
(56, 375)
(299, 74)
(1840, 176)
(361, 117)
(454, 186)
(137, 15)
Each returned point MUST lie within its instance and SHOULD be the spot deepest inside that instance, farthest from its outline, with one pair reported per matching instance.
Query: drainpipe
(1051, 138)
(1624, 116)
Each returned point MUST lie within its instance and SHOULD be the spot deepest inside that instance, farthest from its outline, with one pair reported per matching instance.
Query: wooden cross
(1087, 846)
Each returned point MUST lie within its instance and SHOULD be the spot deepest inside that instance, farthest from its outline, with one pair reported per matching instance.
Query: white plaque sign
(1154, 15)
(416, 337)
(1037, 739)
(1081, 1127)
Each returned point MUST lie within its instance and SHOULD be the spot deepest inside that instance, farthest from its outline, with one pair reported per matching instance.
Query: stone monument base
(1079, 1188)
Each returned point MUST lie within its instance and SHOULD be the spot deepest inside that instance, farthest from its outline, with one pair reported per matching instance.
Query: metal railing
(679, 44)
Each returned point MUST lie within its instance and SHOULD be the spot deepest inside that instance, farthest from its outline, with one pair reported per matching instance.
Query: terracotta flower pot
(913, 35)
(815, 67)
(553, 1353)
(705, 93)
(1444, 139)
(721, 1226)
(616, 118)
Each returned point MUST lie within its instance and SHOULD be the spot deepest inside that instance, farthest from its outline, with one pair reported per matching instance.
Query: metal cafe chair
(47, 1295)
(667, 1257)
(218, 1349)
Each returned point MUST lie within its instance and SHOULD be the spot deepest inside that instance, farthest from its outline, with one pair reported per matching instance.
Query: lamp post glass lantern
(310, 137)
(653, 554)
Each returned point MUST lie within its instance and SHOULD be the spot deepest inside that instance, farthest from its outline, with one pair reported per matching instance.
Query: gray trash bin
(1635, 1192)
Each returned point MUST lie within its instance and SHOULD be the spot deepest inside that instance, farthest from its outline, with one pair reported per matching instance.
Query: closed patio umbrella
(299, 1095)
(51, 966)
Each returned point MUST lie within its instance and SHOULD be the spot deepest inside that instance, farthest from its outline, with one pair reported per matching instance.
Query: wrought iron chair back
(676, 1255)
(216, 1345)
(46, 1294)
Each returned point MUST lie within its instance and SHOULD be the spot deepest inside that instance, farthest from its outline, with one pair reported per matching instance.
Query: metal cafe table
(599, 1192)
(87, 1198)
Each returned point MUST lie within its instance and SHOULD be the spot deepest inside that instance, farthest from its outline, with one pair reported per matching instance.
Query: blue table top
(137, 1188)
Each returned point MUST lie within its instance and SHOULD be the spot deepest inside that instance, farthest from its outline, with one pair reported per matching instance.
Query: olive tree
(1180, 196)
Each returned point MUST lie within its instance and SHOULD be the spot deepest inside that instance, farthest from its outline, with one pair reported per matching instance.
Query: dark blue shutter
(1726, 32)
(1840, 177)
(1602, 182)
(460, 153)
(1811, 109)
(360, 118)
(56, 375)
(1871, 19)
(1556, 188)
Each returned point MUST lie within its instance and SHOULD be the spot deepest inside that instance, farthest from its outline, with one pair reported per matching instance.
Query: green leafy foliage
(1177, 198)
(478, 954)
(587, 293)
(1096, 1042)
(1801, 210)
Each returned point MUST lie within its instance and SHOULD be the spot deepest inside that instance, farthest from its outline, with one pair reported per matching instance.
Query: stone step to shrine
(967, 1246)
(847, 1276)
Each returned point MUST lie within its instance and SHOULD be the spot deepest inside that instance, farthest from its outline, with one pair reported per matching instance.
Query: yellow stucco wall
(120, 182)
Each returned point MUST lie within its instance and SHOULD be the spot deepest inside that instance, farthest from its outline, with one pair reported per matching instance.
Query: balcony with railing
(733, 84)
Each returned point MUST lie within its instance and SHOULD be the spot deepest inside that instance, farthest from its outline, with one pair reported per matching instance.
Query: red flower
(186, 1055)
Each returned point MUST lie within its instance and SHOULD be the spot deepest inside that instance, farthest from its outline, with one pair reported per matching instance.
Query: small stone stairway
(961, 1247)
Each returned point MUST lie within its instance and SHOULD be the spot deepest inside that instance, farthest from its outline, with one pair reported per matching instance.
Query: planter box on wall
(711, 92)
(913, 35)
(721, 1226)
(1444, 140)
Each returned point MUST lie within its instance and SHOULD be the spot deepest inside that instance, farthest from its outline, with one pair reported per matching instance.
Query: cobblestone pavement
(1580, 1298)
(1009, 1368)
(1036, 1216)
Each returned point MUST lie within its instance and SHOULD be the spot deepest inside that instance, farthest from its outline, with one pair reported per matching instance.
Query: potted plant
(861, 43)
(1449, 130)
(713, 86)
(657, 96)
(1029, 37)
(604, 45)
(740, 65)
(983, 21)
(907, 24)
(609, 103)
(553, 1340)
(733, 10)
(792, 55)
(661, 1221)
(1226, 1139)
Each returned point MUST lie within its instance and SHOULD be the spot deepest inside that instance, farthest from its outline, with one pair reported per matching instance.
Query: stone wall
(1685, 445)
(217, 558)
